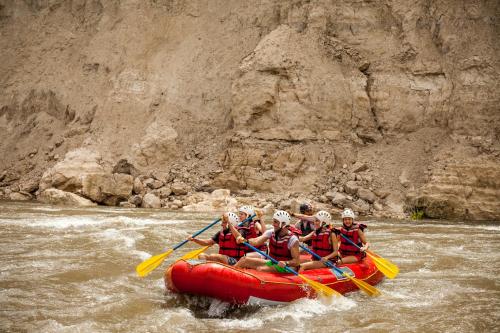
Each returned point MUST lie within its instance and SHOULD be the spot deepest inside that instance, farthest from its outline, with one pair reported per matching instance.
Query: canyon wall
(388, 107)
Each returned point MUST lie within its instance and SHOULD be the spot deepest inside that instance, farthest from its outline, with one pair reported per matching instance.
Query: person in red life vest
(283, 246)
(306, 220)
(324, 242)
(229, 251)
(254, 228)
(354, 231)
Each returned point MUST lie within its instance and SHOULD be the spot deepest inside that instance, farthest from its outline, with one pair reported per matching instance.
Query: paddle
(197, 252)
(367, 288)
(385, 266)
(148, 265)
(317, 286)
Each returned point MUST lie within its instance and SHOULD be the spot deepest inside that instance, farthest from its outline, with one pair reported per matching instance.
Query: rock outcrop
(350, 103)
(57, 197)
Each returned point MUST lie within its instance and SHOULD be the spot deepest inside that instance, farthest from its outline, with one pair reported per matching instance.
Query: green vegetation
(417, 213)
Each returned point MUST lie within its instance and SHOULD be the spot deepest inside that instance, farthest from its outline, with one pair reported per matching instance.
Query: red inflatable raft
(248, 286)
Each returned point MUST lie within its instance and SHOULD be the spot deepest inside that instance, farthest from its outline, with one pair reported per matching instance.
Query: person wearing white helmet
(229, 250)
(355, 233)
(254, 228)
(324, 242)
(283, 246)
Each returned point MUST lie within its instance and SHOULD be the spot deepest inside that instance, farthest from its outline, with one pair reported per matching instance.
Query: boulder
(359, 167)
(67, 174)
(164, 192)
(378, 206)
(18, 196)
(148, 182)
(403, 178)
(340, 200)
(126, 204)
(467, 190)
(151, 201)
(218, 200)
(58, 197)
(138, 188)
(366, 195)
(29, 186)
(123, 166)
(351, 187)
(179, 188)
(107, 189)
(360, 206)
(395, 204)
(136, 200)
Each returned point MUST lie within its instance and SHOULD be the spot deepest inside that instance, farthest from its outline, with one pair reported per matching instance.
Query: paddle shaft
(315, 255)
(196, 234)
(246, 220)
(199, 232)
(350, 241)
(270, 258)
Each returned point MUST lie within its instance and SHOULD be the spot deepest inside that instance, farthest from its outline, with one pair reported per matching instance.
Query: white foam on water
(217, 308)
(114, 234)
(239, 324)
(53, 326)
(458, 226)
(306, 308)
(142, 254)
(67, 222)
(146, 222)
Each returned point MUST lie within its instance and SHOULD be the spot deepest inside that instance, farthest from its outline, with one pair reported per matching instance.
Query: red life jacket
(346, 248)
(252, 232)
(229, 247)
(321, 243)
(278, 249)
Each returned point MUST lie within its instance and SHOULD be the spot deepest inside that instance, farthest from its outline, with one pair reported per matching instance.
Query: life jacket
(229, 247)
(306, 227)
(346, 248)
(278, 248)
(293, 230)
(252, 232)
(321, 243)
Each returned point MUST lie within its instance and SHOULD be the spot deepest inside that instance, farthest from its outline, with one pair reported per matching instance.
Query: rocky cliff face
(383, 106)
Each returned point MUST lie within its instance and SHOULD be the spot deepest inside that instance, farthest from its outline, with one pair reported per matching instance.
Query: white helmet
(323, 216)
(232, 218)
(348, 213)
(282, 216)
(247, 210)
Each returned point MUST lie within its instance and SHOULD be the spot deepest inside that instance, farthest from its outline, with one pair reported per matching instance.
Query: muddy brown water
(72, 270)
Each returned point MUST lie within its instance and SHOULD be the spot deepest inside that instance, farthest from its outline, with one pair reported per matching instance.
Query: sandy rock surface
(388, 107)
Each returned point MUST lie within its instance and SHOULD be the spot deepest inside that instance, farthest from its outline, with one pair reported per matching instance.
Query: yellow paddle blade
(362, 285)
(320, 288)
(195, 253)
(148, 265)
(386, 267)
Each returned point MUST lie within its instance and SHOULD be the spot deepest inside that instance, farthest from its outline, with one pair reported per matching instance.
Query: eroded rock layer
(385, 106)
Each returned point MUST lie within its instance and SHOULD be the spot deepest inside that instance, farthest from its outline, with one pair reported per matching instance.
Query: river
(72, 270)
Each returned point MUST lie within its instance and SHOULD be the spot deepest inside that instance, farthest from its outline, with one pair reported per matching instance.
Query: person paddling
(283, 246)
(229, 251)
(306, 220)
(324, 242)
(253, 228)
(353, 231)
